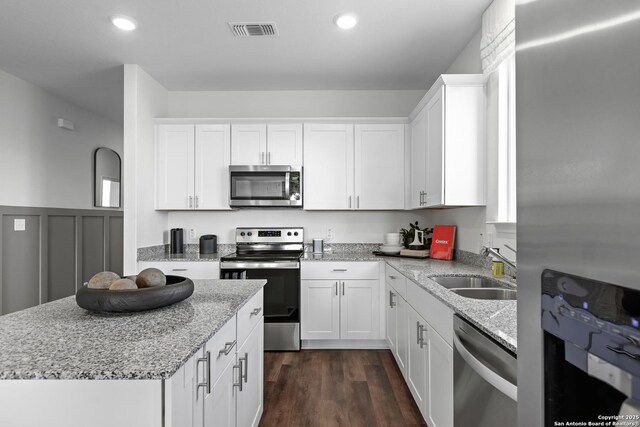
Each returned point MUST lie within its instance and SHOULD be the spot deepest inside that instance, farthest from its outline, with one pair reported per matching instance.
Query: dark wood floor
(336, 388)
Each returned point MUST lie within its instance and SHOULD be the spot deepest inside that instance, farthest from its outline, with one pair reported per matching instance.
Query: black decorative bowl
(125, 301)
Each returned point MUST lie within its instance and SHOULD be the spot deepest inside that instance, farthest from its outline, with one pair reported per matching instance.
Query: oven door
(281, 300)
(265, 186)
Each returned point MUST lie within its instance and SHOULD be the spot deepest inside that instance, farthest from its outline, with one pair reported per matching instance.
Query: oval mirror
(106, 178)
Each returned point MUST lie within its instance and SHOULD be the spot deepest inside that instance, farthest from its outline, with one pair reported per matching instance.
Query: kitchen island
(82, 368)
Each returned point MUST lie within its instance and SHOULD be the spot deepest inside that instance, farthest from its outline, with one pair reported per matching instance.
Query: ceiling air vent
(253, 29)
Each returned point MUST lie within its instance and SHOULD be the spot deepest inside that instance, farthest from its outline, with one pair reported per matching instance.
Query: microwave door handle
(287, 181)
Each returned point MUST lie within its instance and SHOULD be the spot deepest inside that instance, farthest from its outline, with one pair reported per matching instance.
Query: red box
(442, 242)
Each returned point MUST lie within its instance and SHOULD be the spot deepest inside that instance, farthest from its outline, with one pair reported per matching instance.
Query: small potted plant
(409, 234)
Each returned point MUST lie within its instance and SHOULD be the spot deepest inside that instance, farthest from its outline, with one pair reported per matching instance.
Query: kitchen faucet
(486, 251)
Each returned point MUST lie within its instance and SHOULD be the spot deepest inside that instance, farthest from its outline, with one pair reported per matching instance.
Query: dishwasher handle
(501, 384)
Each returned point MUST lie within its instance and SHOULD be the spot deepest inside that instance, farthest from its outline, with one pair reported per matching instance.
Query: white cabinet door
(435, 149)
(418, 359)
(174, 166)
(360, 309)
(418, 159)
(379, 166)
(182, 408)
(440, 377)
(328, 166)
(212, 166)
(249, 144)
(220, 404)
(250, 397)
(402, 344)
(391, 314)
(284, 144)
(320, 309)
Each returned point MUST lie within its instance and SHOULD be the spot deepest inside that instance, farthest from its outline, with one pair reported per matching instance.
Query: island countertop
(60, 340)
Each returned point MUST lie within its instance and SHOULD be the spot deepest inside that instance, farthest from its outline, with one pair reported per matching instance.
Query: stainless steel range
(272, 254)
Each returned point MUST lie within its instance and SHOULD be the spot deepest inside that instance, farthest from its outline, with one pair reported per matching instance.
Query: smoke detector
(253, 29)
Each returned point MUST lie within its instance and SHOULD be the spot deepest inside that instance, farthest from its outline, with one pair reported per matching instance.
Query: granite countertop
(183, 257)
(60, 340)
(496, 318)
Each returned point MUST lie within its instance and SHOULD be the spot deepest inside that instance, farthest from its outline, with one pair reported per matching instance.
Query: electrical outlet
(329, 234)
(489, 240)
(19, 224)
(192, 234)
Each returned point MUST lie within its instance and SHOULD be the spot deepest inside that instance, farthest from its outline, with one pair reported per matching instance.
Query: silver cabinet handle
(255, 311)
(349, 202)
(197, 202)
(228, 346)
(358, 202)
(262, 158)
(190, 202)
(336, 288)
(392, 277)
(207, 361)
(239, 383)
(343, 288)
(392, 303)
(244, 361)
(178, 269)
(421, 330)
(269, 157)
(339, 269)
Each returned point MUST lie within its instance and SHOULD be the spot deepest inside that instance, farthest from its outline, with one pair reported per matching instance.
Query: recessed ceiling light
(123, 22)
(345, 21)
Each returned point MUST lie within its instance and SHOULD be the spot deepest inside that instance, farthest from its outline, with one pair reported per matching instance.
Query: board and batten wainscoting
(56, 252)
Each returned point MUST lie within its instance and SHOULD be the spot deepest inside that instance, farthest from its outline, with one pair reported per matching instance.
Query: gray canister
(318, 246)
(209, 244)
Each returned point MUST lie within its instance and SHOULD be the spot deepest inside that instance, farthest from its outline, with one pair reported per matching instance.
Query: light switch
(19, 224)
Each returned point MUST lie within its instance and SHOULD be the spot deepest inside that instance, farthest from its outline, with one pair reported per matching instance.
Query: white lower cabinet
(192, 270)
(415, 336)
(440, 381)
(340, 301)
(418, 359)
(222, 385)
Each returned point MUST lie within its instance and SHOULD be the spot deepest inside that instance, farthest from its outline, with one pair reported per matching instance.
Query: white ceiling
(70, 48)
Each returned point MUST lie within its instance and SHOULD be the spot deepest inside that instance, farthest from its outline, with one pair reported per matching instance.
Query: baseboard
(344, 344)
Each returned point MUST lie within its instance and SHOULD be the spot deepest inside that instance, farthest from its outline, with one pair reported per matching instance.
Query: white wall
(144, 100)
(468, 60)
(43, 165)
(298, 103)
(347, 226)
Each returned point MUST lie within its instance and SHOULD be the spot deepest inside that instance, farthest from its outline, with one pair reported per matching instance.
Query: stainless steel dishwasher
(485, 390)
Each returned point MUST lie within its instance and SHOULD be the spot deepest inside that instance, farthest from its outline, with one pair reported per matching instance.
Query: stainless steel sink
(487, 293)
(457, 282)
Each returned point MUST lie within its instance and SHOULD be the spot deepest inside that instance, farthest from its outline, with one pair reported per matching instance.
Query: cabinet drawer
(339, 270)
(396, 280)
(192, 270)
(222, 347)
(249, 316)
(438, 315)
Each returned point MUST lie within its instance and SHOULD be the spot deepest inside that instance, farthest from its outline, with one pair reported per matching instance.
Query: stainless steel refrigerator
(578, 160)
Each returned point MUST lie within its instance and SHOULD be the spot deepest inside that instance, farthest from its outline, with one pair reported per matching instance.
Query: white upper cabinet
(328, 166)
(192, 166)
(249, 144)
(284, 144)
(349, 167)
(379, 166)
(448, 144)
(261, 144)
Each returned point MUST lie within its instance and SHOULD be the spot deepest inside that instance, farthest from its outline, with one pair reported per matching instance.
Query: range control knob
(249, 233)
(295, 233)
(242, 233)
(288, 233)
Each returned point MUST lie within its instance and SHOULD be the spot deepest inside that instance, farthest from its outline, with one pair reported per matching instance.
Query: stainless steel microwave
(265, 186)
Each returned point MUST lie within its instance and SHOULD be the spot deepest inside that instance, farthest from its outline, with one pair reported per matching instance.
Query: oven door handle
(234, 265)
(501, 384)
